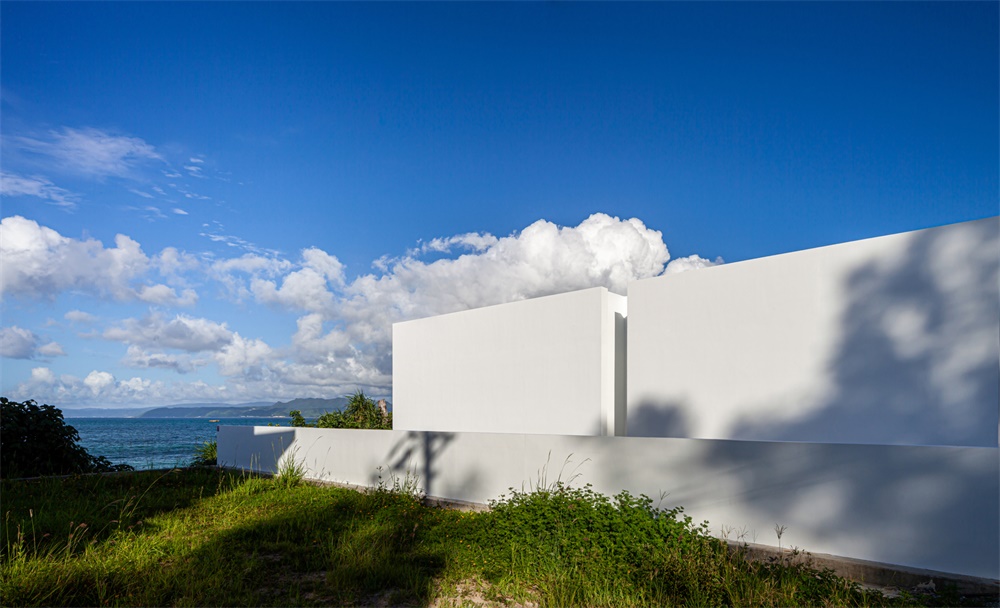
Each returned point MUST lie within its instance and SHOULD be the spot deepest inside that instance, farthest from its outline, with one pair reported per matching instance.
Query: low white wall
(891, 340)
(925, 507)
(546, 365)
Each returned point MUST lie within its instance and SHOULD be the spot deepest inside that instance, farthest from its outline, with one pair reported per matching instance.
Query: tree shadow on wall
(658, 419)
(417, 453)
(917, 361)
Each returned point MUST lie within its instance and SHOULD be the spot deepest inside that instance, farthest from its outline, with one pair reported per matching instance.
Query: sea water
(154, 443)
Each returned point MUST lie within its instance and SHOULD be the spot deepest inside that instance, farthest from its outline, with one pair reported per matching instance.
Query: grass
(205, 454)
(206, 537)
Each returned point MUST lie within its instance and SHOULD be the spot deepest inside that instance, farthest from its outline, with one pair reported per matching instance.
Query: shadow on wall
(417, 453)
(915, 504)
(658, 419)
(918, 360)
(260, 452)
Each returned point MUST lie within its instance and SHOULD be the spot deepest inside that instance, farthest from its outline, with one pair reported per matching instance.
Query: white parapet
(918, 506)
(890, 340)
(550, 365)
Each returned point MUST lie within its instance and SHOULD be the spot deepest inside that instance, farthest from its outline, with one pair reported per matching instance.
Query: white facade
(891, 340)
(546, 365)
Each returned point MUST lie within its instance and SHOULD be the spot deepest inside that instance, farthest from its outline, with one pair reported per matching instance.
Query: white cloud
(471, 240)
(542, 259)
(691, 262)
(302, 290)
(343, 337)
(161, 294)
(43, 375)
(98, 381)
(78, 316)
(308, 288)
(92, 152)
(138, 358)
(181, 333)
(41, 263)
(52, 349)
(17, 342)
(170, 262)
(38, 187)
(178, 211)
(243, 357)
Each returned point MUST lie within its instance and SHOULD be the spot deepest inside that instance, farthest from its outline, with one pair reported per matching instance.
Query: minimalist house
(850, 393)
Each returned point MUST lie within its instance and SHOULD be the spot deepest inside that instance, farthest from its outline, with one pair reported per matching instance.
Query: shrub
(361, 413)
(35, 440)
(206, 454)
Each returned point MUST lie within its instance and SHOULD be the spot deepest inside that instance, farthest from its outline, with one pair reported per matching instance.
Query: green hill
(310, 408)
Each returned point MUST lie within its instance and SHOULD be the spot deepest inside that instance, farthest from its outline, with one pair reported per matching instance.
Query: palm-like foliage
(361, 412)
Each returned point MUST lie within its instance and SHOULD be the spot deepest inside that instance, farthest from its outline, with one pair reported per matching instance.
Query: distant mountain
(104, 412)
(310, 408)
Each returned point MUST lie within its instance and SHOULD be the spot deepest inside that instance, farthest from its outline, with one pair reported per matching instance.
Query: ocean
(153, 443)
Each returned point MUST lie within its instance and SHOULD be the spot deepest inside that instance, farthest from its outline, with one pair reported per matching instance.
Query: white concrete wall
(925, 507)
(546, 365)
(891, 340)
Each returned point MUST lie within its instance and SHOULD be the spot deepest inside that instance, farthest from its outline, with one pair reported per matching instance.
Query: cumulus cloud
(19, 343)
(171, 261)
(161, 294)
(41, 263)
(346, 334)
(182, 333)
(243, 357)
(91, 152)
(98, 381)
(52, 349)
(343, 336)
(308, 288)
(138, 358)
(470, 240)
(104, 389)
(38, 187)
(691, 262)
(542, 259)
(78, 316)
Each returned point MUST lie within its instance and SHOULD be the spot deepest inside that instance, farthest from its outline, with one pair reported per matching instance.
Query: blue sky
(234, 201)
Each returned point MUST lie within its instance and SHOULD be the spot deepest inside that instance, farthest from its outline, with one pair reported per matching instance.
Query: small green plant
(393, 484)
(290, 473)
(206, 454)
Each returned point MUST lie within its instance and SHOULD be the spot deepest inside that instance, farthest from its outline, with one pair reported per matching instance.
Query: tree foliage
(361, 412)
(35, 440)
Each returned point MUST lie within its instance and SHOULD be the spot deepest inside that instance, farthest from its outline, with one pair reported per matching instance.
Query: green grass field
(205, 537)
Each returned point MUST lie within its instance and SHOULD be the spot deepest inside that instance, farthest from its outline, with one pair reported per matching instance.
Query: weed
(291, 471)
(206, 454)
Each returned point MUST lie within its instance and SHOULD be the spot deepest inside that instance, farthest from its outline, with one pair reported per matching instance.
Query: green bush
(35, 440)
(361, 413)
(206, 454)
